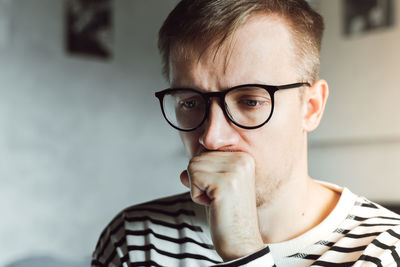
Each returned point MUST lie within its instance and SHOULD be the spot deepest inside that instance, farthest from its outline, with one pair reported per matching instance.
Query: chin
(265, 192)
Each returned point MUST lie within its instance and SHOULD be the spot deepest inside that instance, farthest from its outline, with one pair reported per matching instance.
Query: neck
(299, 205)
(303, 201)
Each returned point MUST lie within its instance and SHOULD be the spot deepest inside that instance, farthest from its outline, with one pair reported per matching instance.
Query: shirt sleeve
(106, 254)
(260, 258)
(109, 250)
(383, 251)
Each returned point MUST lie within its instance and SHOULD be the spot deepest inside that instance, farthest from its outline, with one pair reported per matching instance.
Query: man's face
(261, 52)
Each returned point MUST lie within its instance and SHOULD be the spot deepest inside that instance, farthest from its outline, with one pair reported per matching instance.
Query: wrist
(241, 250)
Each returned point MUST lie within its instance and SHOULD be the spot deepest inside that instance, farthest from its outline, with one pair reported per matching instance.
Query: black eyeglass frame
(221, 95)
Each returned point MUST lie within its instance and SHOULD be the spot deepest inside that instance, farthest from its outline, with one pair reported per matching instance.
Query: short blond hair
(203, 23)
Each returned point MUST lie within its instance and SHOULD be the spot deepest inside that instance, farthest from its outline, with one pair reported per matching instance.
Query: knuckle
(195, 177)
(193, 174)
(246, 161)
(190, 169)
(231, 182)
(195, 160)
(192, 160)
(192, 166)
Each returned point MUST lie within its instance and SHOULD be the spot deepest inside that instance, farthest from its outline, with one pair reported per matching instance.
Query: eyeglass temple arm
(293, 85)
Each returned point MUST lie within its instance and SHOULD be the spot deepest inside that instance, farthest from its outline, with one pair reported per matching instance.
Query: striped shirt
(173, 232)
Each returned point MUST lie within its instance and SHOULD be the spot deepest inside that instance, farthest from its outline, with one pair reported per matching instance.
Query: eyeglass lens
(246, 106)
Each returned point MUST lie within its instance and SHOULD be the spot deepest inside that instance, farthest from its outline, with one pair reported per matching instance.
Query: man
(244, 95)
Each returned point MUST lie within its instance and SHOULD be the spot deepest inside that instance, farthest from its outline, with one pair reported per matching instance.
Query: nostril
(218, 133)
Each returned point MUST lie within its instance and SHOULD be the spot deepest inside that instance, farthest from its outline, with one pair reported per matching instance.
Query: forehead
(259, 51)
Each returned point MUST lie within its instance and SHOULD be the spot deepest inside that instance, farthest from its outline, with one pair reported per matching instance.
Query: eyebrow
(256, 81)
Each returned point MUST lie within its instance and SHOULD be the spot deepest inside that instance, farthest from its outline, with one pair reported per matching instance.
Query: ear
(315, 98)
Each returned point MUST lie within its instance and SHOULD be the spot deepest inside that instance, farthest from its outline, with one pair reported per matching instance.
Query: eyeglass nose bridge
(221, 101)
(221, 98)
(219, 95)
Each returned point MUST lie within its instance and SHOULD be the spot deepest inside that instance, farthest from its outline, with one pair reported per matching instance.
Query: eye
(250, 102)
(188, 104)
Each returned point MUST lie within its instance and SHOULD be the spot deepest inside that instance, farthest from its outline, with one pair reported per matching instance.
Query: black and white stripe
(174, 232)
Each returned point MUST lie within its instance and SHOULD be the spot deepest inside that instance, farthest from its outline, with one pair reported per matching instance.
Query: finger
(199, 196)
(185, 179)
(202, 186)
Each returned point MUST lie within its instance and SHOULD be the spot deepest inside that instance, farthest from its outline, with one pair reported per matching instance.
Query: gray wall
(81, 138)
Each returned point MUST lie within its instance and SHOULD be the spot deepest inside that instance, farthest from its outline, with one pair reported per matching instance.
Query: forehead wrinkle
(210, 62)
(190, 71)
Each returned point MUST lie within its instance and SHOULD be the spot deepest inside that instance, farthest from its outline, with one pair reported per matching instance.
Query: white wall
(79, 138)
(358, 142)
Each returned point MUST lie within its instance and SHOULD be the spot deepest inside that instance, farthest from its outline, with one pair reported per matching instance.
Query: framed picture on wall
(362, 16)
(89, 28)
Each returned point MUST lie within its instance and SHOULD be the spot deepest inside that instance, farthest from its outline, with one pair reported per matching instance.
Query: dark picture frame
(89, 28)
(361, 16)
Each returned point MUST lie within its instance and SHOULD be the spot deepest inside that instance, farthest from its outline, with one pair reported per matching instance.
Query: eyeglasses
(248, 106)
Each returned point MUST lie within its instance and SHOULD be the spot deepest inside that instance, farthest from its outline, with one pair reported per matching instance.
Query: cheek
(286, 122)
(190, 141)
(276, 144)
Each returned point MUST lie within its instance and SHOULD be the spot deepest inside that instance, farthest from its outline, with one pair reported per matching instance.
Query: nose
(218, 132)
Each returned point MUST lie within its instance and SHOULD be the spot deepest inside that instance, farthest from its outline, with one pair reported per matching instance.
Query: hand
(225, 183)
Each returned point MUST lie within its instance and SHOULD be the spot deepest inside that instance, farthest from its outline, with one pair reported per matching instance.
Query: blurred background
(82, 136)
